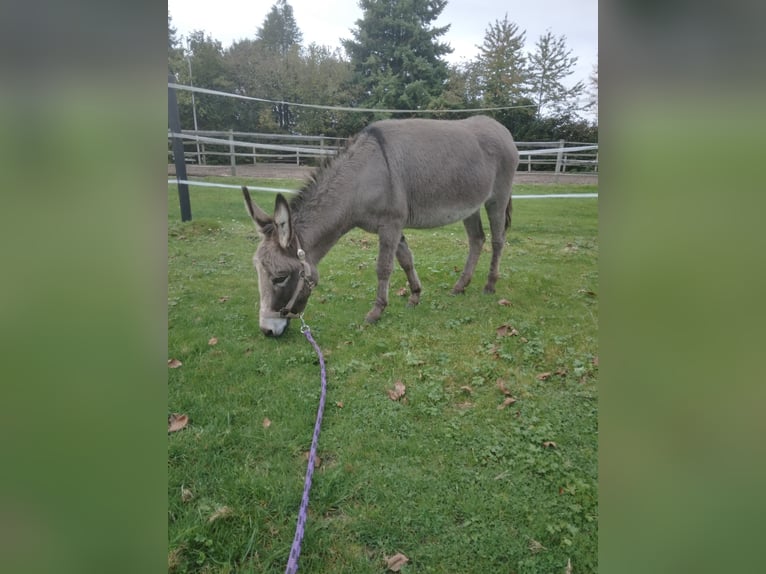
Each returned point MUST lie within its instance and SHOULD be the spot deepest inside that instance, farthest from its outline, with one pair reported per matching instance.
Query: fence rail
(248, 148)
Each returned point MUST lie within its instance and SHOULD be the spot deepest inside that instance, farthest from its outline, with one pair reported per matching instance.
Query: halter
(304, 278)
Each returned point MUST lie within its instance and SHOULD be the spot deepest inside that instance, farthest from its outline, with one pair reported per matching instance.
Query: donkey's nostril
(267, 332)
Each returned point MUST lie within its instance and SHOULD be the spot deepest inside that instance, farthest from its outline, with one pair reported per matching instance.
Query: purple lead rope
(295, 551)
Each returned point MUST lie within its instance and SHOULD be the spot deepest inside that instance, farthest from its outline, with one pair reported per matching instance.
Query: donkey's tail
(508, 211)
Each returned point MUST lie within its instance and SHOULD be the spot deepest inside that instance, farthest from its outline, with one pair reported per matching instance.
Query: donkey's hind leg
(499, 221)
(404, 256)
(476, 239)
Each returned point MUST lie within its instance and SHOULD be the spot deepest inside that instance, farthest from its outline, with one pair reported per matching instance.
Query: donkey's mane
(307, 195)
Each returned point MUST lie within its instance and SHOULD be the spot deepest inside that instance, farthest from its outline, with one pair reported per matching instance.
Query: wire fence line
(248, 147)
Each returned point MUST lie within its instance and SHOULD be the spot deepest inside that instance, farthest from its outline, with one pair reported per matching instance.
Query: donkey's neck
(320, 219)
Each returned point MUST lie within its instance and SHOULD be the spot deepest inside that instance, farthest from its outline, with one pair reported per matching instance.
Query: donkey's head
(285, 276)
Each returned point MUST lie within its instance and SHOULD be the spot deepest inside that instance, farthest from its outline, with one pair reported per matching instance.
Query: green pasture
(446, 475)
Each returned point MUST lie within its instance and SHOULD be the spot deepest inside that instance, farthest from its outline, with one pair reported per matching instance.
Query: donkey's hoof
(372, 317)
(457, 292)
(489, 290)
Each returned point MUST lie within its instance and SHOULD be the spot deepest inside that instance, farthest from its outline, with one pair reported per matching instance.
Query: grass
(443, 476)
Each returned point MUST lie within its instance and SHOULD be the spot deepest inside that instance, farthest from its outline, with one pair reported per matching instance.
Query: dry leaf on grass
(544, 376)
(339, 404)
(397, 392)
(502, 387)
(223, 299)
(186, 494)
(176, 422)
(506, 331)
(549, 444)
(213, 341)
(467, 389)
(395, 562)
(266, 423)
(174, 363)
(504, 302)
(505, 403)
(402, 292)
(535, 546)
(220, 512)
(569, 566)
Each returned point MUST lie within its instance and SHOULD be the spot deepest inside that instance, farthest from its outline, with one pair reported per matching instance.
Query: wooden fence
(243, 148)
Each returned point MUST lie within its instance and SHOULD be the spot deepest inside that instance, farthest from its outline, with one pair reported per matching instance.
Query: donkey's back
(444, 170)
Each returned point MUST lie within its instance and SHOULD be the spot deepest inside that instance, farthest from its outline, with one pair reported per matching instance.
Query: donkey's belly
(439, 216)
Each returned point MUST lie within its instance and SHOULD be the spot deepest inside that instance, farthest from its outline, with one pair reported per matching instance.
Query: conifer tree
(396, 53)
(549, 65)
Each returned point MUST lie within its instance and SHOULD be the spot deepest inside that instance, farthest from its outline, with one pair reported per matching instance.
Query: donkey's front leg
(407, 261)
(388, 241)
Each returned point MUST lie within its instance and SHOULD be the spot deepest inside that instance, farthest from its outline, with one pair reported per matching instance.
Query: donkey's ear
(260, 217)
(282, 222)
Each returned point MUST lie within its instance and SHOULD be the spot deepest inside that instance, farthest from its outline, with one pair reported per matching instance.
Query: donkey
(394, 174)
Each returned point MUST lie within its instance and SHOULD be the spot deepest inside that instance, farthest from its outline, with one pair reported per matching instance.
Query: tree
(501, 67)
(209, 70)
(549, 65)
(499, 74)
(279, 30)
(396, 55)
(175, 50)
(592, 104)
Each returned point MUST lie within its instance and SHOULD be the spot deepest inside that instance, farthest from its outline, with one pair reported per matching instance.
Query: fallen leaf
(543, 376)
(502, 387)
(213, 341)
(397, 392)
(174, 363)
(535, 546)
(504, 302)
(266, 423)
(402, 292)
(339, 404)
(395, 562)
(186, 494)
(549, 444)
(223, 299)
(176, 422)
(467, 389)
(569, 567)
(561, 372)
(506, 331)
(220, 512)
(506, 402)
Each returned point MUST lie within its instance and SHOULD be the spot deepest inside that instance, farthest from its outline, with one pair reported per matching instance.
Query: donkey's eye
(280, 281)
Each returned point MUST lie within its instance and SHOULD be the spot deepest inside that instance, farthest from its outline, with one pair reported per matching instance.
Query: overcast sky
(327, 21)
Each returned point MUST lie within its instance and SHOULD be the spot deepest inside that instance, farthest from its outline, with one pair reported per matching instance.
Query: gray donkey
(394, 174)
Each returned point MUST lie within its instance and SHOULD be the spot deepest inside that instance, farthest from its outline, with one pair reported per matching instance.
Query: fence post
(559, 156)
(231, 153)
(174, 123)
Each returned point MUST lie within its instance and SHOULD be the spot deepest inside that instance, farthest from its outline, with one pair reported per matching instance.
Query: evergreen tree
(280, 31)
(501, 68)
(396, 55)
(550, 64)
